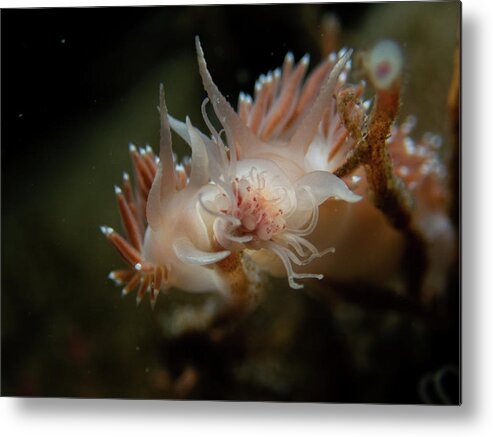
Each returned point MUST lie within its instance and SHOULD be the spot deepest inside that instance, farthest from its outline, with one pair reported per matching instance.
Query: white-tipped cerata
(306, 131)
(106, 230)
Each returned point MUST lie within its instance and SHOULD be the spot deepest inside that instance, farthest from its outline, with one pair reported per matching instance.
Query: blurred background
(78, 85)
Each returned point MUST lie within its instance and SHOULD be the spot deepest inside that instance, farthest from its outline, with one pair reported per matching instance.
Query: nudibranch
(257, 193)
(264, 197)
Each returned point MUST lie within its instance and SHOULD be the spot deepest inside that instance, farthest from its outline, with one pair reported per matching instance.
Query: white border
(130, 418)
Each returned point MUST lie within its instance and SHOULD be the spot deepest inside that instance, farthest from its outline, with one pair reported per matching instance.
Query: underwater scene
(248, 202)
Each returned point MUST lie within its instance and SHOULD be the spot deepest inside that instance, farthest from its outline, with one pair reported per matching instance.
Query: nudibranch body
(266, 195)
(258, 192)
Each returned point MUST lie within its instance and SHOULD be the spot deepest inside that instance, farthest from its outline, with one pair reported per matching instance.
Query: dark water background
(77, 86)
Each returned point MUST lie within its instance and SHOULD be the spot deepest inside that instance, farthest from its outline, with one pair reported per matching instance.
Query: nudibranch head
(270, 190)
(265, 210)
(259, 190)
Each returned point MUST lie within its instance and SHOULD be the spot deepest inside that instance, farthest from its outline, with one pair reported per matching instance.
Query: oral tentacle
(236, 130)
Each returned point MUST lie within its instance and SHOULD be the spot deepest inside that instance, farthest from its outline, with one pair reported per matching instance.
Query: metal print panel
(232, 203)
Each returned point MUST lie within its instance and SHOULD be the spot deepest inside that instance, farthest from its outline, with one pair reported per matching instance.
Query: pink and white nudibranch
(256, 193)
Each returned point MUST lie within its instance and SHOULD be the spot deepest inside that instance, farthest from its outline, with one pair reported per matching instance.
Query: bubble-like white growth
(385, 64)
